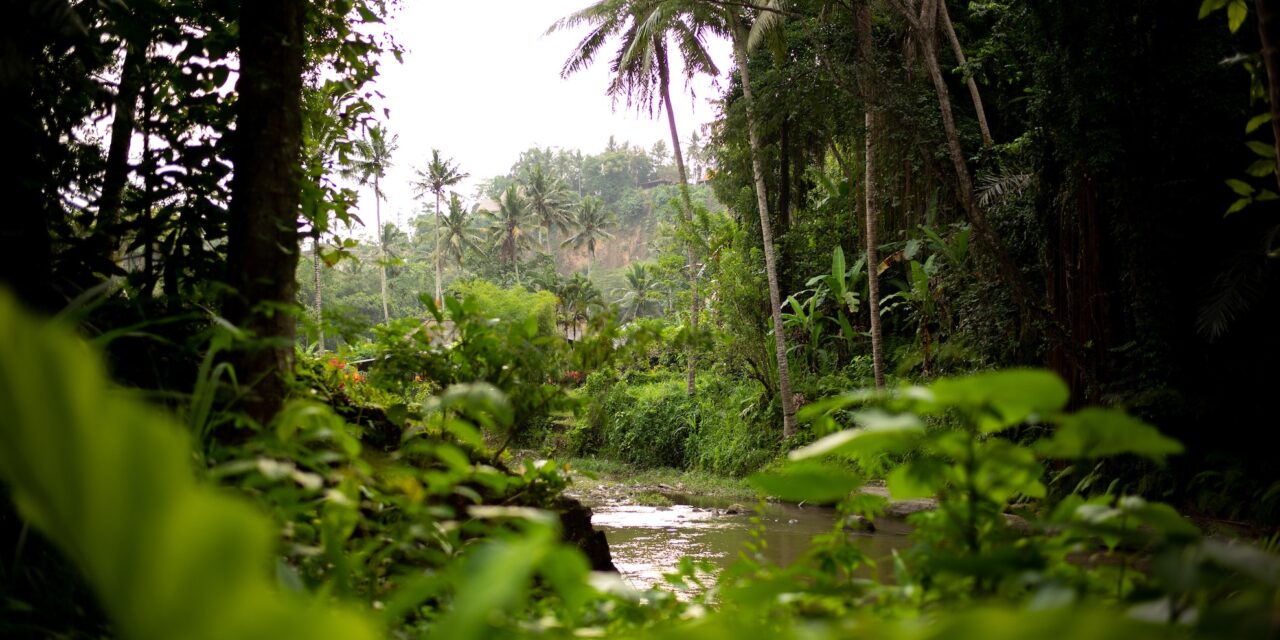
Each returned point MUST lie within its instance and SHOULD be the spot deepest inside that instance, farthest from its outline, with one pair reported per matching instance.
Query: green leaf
(1003, 398)
(107, 479)
(481, 402)
(1095, 433)
(880, 433)
(1261, 168)
(1209, 6)
(1237, 11)
(1261, 148)
(1266, 195)
(916, 479)
(1241, 187)
(1256, 122)
(1237, 206)
(808, 482)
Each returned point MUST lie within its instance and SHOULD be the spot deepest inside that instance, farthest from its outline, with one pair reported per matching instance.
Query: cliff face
(629, 244)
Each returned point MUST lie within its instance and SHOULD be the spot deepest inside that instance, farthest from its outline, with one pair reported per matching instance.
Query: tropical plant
(592, 222)
(549, 205)
(737, 33)
(439, 175)
(509, 228)
(642, 77)
(368, 163)
(640, 292)
(459, 231)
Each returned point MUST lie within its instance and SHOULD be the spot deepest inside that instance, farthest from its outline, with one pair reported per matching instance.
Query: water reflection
(647, 542)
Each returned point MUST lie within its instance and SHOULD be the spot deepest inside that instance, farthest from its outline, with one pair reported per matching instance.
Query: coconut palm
(642, 75)
(549, 204)
(576, 297)
(592, 222)
(459, 232)
(439, 175)
(641, 290)
(509, 227)
(738, 34)
(368, 162)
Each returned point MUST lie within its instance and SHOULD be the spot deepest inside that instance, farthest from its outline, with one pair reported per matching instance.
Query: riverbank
(598, 482)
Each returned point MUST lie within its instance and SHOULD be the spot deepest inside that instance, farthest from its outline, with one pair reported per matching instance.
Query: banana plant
(845, 285)
(919, 300)
(807, 317)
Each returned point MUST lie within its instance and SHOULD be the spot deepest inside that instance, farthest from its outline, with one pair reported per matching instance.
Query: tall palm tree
(549, 204)
(509, 227)
(641, 289)
(592, 222)
(738, 34)
(368, 162)
(439, 175)
(459, 232)
(871, 121)
(642, 76)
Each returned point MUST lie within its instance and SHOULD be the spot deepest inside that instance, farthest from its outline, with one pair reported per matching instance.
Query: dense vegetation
(1016, 257)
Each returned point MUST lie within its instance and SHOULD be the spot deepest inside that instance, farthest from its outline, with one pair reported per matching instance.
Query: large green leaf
(108, 480)
(880, 433)
(1000, 399)
(808, 482)
(1098, 433)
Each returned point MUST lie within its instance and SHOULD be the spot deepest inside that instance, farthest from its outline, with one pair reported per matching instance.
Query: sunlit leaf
(808, 482)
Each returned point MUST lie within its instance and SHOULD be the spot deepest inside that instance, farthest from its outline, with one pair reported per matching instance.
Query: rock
(859, 524)
(735, 509)
(575, 523)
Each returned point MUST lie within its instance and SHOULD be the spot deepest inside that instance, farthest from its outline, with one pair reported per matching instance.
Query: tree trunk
(1268, 28)
(382, 247)
(964, 181)
(766, 231)
(690, 257)
(439, 274)
(122, 128)
(945, 17)
(262, 251)
(318, 300)
(869, 190)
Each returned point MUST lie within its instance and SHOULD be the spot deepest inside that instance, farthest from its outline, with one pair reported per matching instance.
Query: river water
(647, 542)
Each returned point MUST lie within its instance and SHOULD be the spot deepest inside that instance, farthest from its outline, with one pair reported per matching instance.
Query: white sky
(482, 83)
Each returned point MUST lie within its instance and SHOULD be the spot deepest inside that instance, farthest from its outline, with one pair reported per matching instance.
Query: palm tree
(576, 296)
(870, 204)
(508, 229)
(592, 222)
(641, 289)
(368, 162)
(439, 175)
(548, 203)
(642, 76)
(459, 233)
(739, 37)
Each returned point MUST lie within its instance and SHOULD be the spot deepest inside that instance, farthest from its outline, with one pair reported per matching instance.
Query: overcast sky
(482, 83)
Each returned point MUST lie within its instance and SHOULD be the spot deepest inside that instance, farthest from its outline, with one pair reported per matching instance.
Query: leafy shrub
(647, 424)
(513, 305)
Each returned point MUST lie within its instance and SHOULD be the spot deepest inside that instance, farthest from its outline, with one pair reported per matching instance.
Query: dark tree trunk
(122, 129)
(263, 235)
(1269, 34)
(26, 263)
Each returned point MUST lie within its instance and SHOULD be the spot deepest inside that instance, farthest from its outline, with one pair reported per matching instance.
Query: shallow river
(647, 542)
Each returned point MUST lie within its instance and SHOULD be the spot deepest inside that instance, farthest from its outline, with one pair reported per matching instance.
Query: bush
(647, 419)
(647, 424)
(512, 304)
